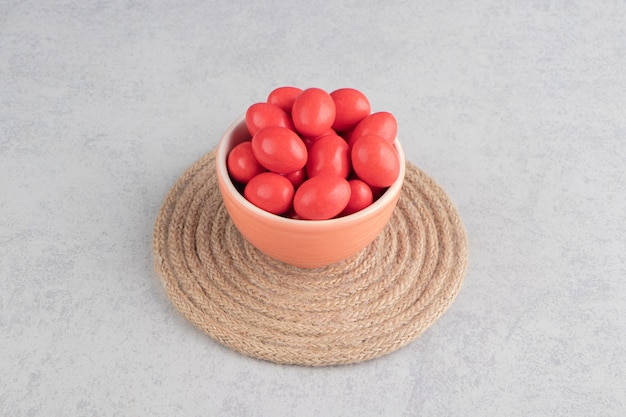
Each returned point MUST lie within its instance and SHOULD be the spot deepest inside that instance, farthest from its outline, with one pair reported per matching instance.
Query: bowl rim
(222, 153)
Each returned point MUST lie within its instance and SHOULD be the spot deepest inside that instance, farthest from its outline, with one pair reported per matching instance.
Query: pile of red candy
(315, 155)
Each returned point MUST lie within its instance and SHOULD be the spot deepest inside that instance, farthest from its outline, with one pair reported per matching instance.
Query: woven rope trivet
(364, 307)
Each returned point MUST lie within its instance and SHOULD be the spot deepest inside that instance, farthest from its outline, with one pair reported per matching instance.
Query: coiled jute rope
(369, 305)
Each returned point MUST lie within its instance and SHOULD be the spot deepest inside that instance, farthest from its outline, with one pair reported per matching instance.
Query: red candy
(313, 112)
(329, 155)
(260, 115)
(242, 165)
(375, 161)
(322, 197)
(284, 97)
(382, 124)
(270, 192)
(279, 149)
(304, 146)
(360, 197)
(351, 106)
(296, 177)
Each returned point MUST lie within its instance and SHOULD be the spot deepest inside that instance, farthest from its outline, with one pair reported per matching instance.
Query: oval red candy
(260, 115)
(296, 177)
(351, 106)
(271, 192)
(360, 197)
(328, 155)
(284, 97)
(322, 197)
(381, 124)
(313, 112)
(375, 161)
(242, 164)
(279, 149)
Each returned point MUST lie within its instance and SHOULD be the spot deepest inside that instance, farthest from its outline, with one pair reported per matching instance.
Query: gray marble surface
(517, 109)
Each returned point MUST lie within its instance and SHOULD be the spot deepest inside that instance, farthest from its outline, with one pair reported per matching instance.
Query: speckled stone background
(517, 109)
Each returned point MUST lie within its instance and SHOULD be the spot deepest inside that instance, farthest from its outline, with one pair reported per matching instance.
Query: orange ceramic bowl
(302, 243)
